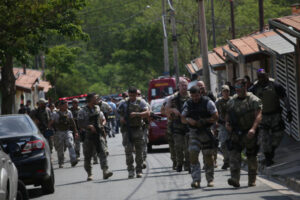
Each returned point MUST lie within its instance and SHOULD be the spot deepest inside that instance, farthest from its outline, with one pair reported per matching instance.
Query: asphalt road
(159, 182)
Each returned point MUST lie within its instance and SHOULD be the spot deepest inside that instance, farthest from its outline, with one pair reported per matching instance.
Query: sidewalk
(287, 164)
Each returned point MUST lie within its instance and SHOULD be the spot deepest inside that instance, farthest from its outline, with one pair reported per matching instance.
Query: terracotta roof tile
(45, 85)
(292, 20)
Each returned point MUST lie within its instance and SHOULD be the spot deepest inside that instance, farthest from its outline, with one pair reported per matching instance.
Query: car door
(3, 174)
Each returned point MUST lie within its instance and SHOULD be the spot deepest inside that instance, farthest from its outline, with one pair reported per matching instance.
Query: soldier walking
(75, 110)
(89, 119)
(180, 131)
(132, 111)
(64, 125)
(243, 117)
(42, 117)
(271, 128)
(169, 134)
(200, 113)
(223, 134)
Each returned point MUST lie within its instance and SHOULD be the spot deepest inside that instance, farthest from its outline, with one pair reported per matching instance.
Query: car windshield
(15, 125)
(156, 106)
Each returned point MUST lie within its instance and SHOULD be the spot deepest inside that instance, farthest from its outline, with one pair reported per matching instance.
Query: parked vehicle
(158, 125)
(8, 177)
(81, 98)
(161, 87)
(29, 151)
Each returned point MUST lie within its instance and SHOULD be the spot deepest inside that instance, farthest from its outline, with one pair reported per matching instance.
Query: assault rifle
(94, 119)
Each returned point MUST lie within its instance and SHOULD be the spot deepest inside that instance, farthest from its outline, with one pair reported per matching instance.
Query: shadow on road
(35, 193)
(162, 150)
(73, 183)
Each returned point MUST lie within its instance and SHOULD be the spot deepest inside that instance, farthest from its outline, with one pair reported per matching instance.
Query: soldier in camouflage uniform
(271, 128)
(75, 109)
(42, 117)
(169, 134)
(179, 130)
(200, 113)
(64, 125)
(145, 130)
(89, 119)
(132, 111)
(223, 134)
(243, 117)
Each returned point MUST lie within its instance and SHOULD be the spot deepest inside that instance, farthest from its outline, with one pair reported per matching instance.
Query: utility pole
(232, 19)
(174, 41)
(213, 23)
(261, 15)
(166, 49)
(203, 39)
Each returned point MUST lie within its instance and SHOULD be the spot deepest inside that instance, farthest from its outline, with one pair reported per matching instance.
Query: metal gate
(286, 76)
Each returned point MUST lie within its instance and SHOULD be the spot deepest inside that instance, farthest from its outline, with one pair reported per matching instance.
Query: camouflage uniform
(271, 129)
(171, 143)
(223, 134)
(180, 133)
(241, 114)
(92, 141)
(133, 138)
(146, 130)
(201, 138)
(43, 117)
(76, 140)
(62, 122)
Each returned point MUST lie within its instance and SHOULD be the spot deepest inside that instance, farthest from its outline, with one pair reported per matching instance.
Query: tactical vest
(199, 110)
(135, 121)
(93, 116)
(221, 106)
(178, 101)
(243, 111)
(269, 98)
(63, 121)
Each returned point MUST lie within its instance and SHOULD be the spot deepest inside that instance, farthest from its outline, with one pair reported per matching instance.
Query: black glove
(289, 116)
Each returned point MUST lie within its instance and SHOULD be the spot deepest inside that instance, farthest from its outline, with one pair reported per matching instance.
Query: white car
(8, 177)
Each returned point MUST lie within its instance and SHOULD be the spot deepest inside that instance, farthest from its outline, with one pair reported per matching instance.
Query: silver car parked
(8, 177)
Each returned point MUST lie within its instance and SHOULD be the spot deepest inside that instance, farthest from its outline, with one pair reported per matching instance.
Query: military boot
(107, 174)
(195, 184)
(144, 165)
(130, 174)
(139, 174)
(233, 182)
(90, 176)
(74, 163)
(225, 166)
(251, 180)
(179, 168)
(174, 165)
(210, 184)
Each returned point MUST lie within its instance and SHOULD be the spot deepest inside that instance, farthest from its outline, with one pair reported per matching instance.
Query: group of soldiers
(247, 122)
(244, 122)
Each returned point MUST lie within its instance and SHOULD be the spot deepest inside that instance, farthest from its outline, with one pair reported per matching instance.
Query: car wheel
(149, 148)
(48, 184)
(22, 193)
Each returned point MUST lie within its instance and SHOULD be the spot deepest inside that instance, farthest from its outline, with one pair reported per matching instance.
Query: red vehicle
(158, 125)
(161, 87)
(81, 98)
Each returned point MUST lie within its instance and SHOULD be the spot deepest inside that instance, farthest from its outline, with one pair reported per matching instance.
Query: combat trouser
(199, 140)
(171, 143)
(136, 141)
(181, 148)
(238, 144)
(89, 146)
(65, 138)
(77, 146)
(223, 136)
(145, 130)
(271, 131)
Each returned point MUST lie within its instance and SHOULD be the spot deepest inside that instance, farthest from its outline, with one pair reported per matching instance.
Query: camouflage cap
(225, 87)
(42, 100)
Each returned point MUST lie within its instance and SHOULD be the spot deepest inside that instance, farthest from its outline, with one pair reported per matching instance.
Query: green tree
(25, 26)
